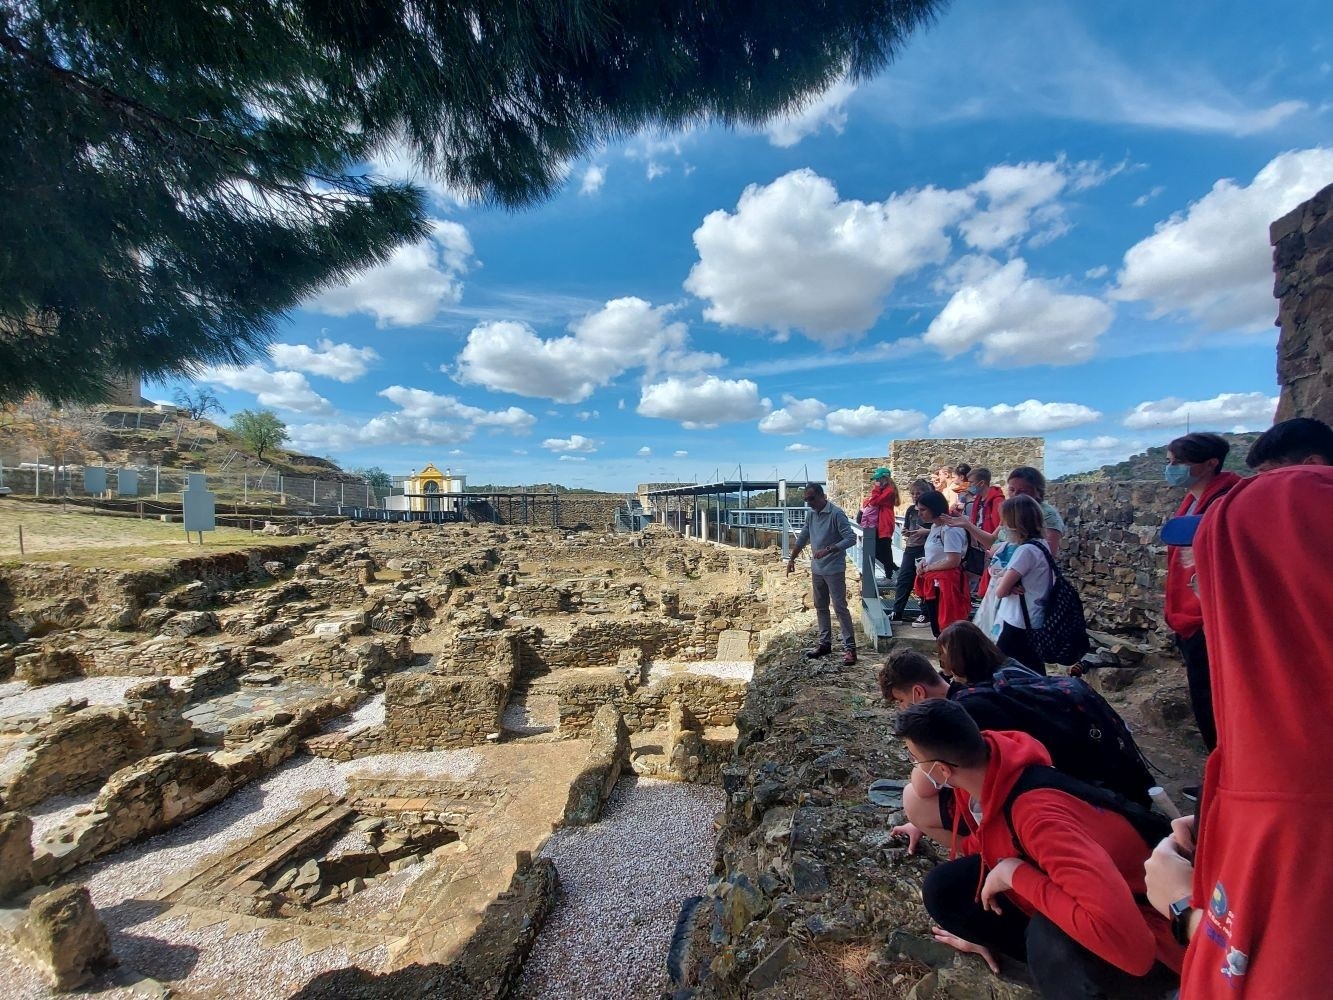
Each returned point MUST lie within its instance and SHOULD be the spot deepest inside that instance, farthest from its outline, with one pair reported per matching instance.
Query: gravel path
(730, 669)
(24, 700)
(369, 714)
(622, 882)
(234, 966)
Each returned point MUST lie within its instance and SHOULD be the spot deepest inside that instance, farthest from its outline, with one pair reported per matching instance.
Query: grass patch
(87, 539)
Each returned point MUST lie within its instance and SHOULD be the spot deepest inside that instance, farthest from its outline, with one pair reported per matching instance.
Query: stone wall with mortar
(1303, 261)
(1112, 554)
(600, 643)
(917, 457)
(431, 712)
(848, 482)
(713, 701)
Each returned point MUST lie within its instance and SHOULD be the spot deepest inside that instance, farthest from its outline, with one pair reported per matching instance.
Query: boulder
(65, 937)
(15, 854)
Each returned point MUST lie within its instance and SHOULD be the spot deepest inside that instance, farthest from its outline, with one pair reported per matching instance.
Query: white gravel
(730, 669)
(622, 882)
(371, 713)
(59, 809)
(234, 966)
(27, 700)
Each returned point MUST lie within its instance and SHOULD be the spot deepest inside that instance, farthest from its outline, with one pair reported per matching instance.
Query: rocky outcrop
(15, 854)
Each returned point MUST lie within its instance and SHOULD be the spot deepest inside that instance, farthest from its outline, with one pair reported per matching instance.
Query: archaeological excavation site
(411, 759)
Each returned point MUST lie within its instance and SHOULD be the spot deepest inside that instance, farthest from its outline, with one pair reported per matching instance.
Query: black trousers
(1017, 642)
(1194, 651)
(1061, 967)
(906, 579)
(884, 553)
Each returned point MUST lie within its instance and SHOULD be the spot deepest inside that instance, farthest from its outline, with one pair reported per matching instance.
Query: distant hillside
(1150, 463)
(138, 436)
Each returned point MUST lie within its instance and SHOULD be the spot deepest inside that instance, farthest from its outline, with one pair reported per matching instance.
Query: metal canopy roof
(731, 486)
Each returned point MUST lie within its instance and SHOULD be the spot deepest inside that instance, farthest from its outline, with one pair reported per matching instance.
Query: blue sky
(1045, 218)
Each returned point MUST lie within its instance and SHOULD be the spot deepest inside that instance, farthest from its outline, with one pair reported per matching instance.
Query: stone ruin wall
(710, 700)
(916, 458)
(1112, 554)
(1303, 262)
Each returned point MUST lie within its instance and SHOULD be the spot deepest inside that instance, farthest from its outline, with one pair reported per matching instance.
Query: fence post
(157, 482)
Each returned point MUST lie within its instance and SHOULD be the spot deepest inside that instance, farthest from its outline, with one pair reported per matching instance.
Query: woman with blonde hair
(1023, 587)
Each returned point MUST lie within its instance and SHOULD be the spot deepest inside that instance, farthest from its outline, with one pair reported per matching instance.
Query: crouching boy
(1058, 882)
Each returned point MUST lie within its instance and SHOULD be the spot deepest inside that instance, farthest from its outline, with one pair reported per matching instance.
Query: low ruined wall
(1112, 554)
(431, 712)
(79, 748)
(599, 644)
(713, 701)
(1303, 260)
(333, 661)
(918, 457)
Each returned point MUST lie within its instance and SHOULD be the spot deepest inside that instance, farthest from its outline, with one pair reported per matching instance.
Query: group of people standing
(1033, 783)
(971, 554)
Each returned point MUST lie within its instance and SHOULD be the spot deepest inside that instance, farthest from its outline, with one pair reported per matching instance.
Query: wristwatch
(1181, 910)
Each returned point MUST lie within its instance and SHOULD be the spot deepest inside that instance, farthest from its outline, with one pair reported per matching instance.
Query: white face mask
(937, 785)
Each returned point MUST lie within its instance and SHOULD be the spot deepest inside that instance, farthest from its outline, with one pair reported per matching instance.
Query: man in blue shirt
(829, 532)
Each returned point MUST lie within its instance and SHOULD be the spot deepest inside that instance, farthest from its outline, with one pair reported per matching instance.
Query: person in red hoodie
(1255, 905)
(878, 512)
(1194, 462)
(1058, 891)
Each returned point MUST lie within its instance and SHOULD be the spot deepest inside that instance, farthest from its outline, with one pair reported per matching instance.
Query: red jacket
(1183, 614)
(1263, 872)
(986, 510)
(879, 505)
(1088, 862)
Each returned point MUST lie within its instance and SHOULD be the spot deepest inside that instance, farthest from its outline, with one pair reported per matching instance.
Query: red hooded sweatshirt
(1183, 614)
(879, 506)
(1088, 862)
(1263, 868)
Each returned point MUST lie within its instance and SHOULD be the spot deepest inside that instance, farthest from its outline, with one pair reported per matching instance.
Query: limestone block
(65, 937)
(15, 854)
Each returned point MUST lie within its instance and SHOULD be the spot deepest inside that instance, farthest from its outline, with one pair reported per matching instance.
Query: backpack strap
(1150, 826)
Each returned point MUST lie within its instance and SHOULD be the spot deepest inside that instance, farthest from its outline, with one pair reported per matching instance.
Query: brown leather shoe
(817, 652)
(849, 657)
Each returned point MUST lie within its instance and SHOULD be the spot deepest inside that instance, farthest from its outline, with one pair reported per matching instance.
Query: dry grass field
(87, 538)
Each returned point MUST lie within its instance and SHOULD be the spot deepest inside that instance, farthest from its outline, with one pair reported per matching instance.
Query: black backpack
(1153, 827)
(1063, 635)
(1082, 733)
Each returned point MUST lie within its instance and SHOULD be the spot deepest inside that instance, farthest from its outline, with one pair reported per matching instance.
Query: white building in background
(424, 490)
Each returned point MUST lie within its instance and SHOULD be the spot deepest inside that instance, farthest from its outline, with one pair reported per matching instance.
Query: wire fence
(266, 487)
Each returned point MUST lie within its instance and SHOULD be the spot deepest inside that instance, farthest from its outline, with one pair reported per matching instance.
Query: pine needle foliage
(178, 174)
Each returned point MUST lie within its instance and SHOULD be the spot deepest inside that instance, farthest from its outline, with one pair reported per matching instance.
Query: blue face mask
(1179, 475)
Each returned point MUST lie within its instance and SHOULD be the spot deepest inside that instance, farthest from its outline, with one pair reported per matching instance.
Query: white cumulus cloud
(423, 404)
(796, 415)
(1021, 197)
(411, 286)
(800, 449)
(703, 401)
(626, 333)
(341, 362)
(1102, 442)
(573, 443)
(1213, 262)
(1016, 320)
(793, 256)
(644, 452)
(281, 389)
(680, 454)
(593, 179)
(1238, 410)
(866, 421)
(826, 110)
(1028, 417)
